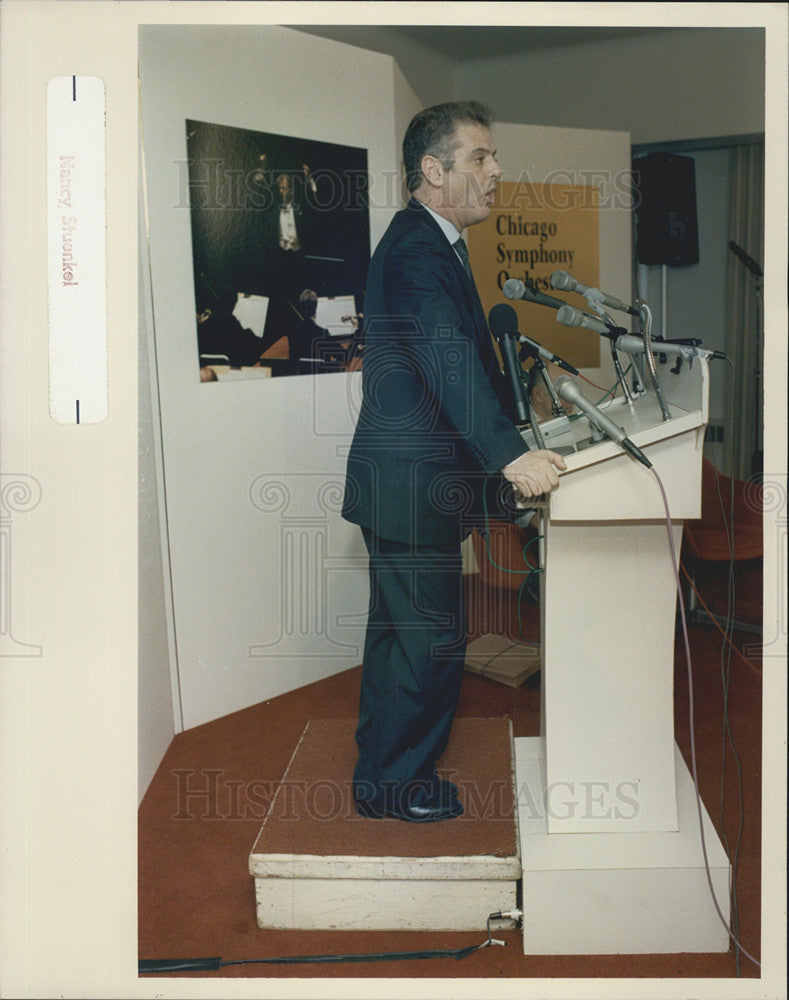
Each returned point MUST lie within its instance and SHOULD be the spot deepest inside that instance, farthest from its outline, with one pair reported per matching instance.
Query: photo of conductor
(274, 215)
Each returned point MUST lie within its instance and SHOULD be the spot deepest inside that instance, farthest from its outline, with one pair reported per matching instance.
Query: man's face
(283, 183)
(470, 185)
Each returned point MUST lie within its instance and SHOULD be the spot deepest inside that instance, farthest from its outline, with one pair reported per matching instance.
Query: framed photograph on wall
(280, 239)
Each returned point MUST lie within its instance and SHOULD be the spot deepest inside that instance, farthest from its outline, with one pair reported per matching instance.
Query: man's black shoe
(416, 813)
(415, 802)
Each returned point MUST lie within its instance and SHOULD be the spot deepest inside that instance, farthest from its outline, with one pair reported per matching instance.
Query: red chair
(711, 537)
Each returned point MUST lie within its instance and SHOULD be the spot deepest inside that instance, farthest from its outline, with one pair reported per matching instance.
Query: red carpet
(204, 809)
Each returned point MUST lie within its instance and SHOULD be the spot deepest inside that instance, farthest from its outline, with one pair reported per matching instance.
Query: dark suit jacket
(431, 427)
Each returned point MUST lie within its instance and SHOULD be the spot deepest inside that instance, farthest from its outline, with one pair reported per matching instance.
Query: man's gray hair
(432, 133)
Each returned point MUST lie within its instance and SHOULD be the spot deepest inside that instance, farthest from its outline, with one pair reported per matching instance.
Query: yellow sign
(534, 230)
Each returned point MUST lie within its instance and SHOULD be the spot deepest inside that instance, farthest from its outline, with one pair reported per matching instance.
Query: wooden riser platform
(318, 865)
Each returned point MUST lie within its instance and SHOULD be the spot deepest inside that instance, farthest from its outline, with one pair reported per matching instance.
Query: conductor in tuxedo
(432, 428)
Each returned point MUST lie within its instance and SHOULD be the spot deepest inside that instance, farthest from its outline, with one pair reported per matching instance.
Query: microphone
(501, 311)
(503, 322)
(565, 282)
(570, 316)
(749, 262)
(570, 391)
(515, 289)
(533, 349)
(631, 343)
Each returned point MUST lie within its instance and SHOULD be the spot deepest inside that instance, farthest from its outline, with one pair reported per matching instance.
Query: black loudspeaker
(667, 227)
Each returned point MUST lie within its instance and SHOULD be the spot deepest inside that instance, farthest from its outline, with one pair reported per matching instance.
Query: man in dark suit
(431, 431)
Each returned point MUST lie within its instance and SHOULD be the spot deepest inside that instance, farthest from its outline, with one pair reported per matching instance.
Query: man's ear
(432, 170)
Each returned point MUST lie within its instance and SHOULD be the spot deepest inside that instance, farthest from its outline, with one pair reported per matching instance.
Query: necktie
(462, 252)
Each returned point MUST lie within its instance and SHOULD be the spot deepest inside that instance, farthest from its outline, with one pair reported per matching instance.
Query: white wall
(432, 76)
(668, 86)
(269, 587)
(407, 104)
(155, 635)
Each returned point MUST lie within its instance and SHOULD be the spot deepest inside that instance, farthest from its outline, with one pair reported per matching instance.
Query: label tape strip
(77, 249)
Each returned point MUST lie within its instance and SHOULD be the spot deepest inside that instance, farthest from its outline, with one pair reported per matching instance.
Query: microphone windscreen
(503, 321)
(569, 316)
(562, 280)
(513, 288)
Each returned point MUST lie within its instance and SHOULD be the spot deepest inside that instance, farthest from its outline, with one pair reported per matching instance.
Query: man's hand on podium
(535, 472)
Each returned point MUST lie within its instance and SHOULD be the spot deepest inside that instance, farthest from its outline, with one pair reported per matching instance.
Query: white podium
(612, 857)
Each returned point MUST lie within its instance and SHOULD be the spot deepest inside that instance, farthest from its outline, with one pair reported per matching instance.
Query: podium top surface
(604, 483)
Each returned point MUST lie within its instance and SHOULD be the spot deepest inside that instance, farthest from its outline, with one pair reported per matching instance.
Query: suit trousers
(413, 662)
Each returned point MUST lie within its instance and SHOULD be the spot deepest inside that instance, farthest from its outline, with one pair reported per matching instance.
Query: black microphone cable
(213, 964)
